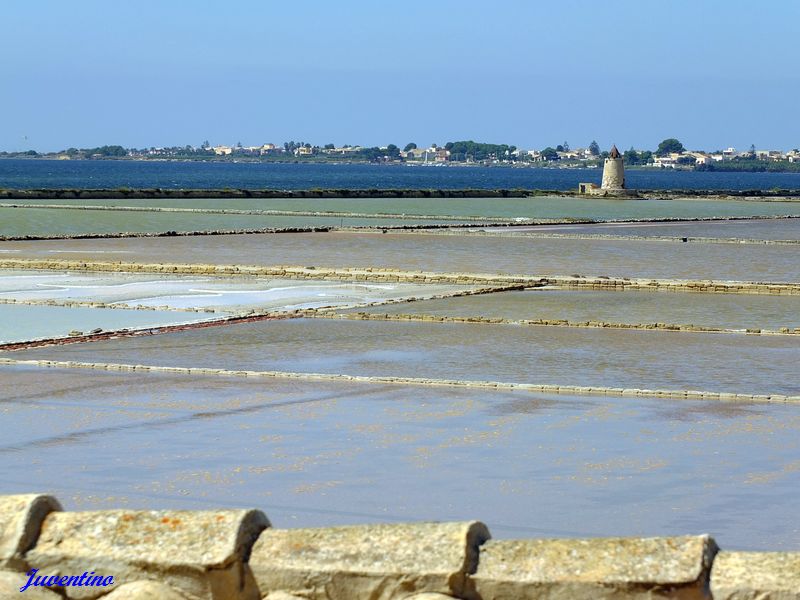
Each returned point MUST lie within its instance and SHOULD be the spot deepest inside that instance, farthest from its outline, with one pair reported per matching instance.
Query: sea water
(42, 173)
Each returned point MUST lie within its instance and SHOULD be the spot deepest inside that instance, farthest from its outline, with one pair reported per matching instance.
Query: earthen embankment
(387, 275)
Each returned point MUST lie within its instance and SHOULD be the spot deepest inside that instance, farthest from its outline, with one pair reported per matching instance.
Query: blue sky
(713, 73)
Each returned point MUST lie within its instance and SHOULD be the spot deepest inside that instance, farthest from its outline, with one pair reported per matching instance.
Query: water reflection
(448, 253)
(313, 454)
(731, 311)
(529, 354)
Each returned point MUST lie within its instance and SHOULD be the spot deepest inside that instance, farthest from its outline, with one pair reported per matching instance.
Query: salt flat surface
(542, 355)
(732, 311)
(184, 291)
(484, 254)
(333, 454)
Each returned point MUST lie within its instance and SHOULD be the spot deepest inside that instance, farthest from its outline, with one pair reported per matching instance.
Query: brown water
(759, 229)
(443, 253)
(732, 311)
(333, 454)
(542, 355)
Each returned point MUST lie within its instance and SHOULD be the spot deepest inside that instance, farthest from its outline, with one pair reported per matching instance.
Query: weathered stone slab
(282, 596)
(594, 569)
(379, 562)
(202, 554)
(756, 576)
(12, 581)
(144, 590)
(21, 518)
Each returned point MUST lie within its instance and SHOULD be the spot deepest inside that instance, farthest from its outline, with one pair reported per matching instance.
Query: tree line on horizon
(459, 151)
(464, 148)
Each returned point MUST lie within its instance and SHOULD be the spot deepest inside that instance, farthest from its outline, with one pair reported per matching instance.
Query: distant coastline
(188, 194)
(753, 166)
(670, 154)
(315, 161)
(125, 175)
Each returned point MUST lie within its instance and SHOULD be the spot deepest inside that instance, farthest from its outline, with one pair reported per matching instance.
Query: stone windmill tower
(613, 171)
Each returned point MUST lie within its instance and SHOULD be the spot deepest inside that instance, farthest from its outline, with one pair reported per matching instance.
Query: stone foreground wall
(235, 554)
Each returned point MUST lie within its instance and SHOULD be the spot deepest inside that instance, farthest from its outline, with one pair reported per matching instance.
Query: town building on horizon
(673, 156)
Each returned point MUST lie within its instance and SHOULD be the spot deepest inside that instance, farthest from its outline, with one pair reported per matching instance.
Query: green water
(16, 222)
(543, 207)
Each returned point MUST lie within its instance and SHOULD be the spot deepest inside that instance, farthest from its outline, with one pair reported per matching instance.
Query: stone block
(12, 581)
(202, 554)
(756, 576)
(380, 562)
(21, 519)
(611, 568)
(282, 596)
(144, 590)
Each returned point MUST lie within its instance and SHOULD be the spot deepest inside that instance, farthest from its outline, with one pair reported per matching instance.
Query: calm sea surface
(25, 174)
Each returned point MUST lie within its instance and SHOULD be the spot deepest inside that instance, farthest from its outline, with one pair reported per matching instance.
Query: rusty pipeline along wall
(238, 555)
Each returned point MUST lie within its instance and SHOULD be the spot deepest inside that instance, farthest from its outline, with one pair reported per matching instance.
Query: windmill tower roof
(614, 152)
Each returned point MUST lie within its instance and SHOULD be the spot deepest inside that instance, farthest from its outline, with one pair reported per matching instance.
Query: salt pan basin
(218, 293)
(728, 311)
(467, 351)
(17, 222)
(442, 253)
(23, 323)
(760, 229)
(538, 207)
(324, 454)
